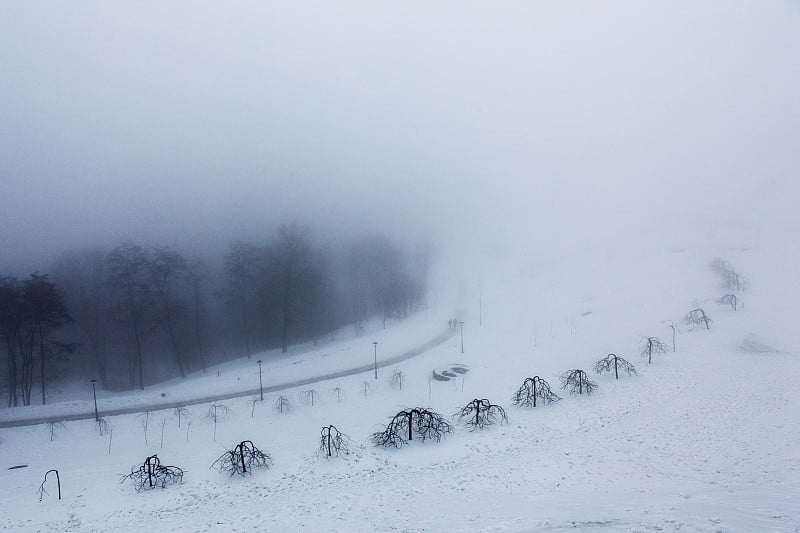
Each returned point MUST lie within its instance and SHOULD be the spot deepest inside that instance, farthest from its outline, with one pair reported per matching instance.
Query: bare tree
(532, 389)
(46, 312)
(83, 278)
(425, 423)
(152, 473)
(697, 316)
(42, 491)
(730, 299)
(197, 278)
(653, 345)
(168, 270)
(613, 361)
(11, 315)
(333, 443)
(577, 381)
(242, 459)
(241, 269)
(480, 414)
(127, 266)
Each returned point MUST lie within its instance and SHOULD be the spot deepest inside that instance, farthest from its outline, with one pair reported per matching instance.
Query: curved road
(219, 397)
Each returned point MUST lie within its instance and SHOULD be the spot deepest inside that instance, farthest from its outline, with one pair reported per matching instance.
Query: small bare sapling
(338, 392)
(615, 363)
(103, 426)
(675, 331)
(310, 396)
(242, 459)
(396, 380)
(729, 278)
(144, 419)
(534, 390)
(697, 316)
(152, 473)
(253, 403)
(53, 426)
(731, 300)
(163, 425)
(333, 443)
(42, 491)
(217, 413)
(181, 412)
(577, 381)
(282, 405)
(653, 345)
(480, 414)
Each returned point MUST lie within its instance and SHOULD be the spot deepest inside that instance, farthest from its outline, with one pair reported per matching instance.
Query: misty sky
(556, 123)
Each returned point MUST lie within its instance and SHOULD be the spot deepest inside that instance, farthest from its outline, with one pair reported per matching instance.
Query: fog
(476, 125)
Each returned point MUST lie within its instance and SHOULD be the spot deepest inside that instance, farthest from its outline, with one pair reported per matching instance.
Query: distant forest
(135, 315)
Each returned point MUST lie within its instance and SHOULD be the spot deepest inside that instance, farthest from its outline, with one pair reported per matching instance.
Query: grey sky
(556, 122)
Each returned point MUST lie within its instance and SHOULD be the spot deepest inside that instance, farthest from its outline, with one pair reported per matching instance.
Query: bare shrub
(616, 363)
(425, 423)
(152, 473)
(333, 443)
(396, 380)
(577, 381)
(242, 459)
(697, 317)
(532, 390)
(731, 300)
(653, 345)
(282, 405)
(480, 414)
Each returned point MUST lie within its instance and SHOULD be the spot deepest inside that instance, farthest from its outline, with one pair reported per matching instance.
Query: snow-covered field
(704, 439)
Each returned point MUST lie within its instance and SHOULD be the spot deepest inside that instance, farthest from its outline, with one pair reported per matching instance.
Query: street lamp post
(260, 383)
(94, 393)
(375, 345)
(462, 336)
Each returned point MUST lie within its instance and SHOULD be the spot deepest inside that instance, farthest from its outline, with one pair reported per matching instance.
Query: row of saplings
(425, 423)
(403, 427)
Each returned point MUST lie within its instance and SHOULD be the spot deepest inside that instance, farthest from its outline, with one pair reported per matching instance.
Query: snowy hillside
(704, 439)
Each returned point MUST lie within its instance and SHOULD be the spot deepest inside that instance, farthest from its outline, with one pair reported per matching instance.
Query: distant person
(450, 323)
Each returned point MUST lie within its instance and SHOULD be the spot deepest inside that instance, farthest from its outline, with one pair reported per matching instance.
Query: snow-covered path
(209, 398)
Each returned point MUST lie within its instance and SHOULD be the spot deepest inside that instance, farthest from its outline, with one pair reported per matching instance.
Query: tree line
(135, 315)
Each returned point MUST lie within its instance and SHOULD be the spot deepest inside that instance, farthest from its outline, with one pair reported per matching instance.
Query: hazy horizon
(469, 125)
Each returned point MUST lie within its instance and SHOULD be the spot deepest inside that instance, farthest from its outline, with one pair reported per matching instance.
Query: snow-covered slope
(704, 439)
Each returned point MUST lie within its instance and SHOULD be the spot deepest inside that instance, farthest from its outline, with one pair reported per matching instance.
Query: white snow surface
(704, 439)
